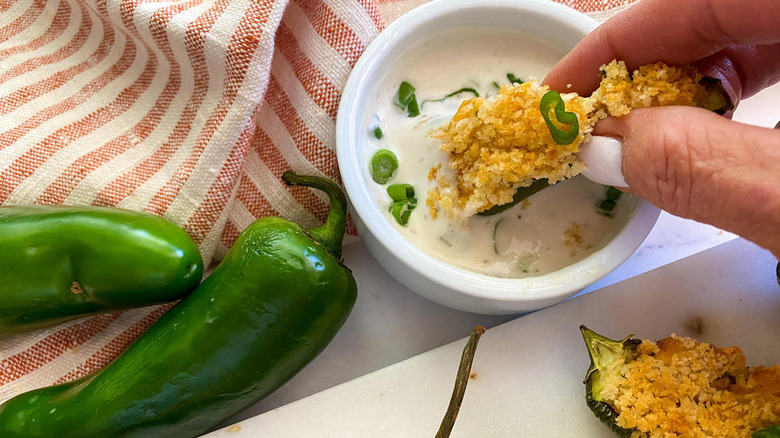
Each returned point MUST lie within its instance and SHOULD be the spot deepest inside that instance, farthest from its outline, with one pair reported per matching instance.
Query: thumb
(698, 165)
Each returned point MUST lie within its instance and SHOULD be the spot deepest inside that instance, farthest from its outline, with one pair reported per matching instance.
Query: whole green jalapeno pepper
(60, 263)
(275, 301)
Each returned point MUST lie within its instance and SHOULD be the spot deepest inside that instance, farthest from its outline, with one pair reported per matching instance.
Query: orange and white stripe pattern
(317, 44)
(189, 109)
(156, 106)
(143, 105)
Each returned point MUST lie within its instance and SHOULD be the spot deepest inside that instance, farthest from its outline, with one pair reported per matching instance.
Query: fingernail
(604, 158)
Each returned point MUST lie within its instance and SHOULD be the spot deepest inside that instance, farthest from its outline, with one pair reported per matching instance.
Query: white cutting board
(530, 370)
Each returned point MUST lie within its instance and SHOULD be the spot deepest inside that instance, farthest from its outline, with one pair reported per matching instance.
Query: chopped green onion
(405, 217)
(400, 192)
(405, 95)
(454, 93)
(407, 100)
(402, 210)
(552, 101)
(513, 79)
(607, 206)
(395, 210)
(495, 84)
(378, 132)
(613, 194)
(383, 165)
(495, 233)
(462, 90)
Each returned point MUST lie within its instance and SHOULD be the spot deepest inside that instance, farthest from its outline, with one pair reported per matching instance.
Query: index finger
(671, 31)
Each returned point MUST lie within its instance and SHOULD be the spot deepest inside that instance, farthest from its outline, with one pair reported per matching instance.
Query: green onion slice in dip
(383, 165)
(402, 210)
(607, 206)
(403, 202)
(454, 93)
(400, 192)
(513, 79)
(407, 100)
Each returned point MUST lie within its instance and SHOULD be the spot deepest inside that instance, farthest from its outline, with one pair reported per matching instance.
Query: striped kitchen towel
(189, 109)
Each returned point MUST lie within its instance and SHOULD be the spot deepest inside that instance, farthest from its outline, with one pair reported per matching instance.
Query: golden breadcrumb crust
(679, 387)
(498, 144)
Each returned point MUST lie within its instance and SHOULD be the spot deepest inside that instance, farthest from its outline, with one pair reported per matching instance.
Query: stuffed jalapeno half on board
(679, 387)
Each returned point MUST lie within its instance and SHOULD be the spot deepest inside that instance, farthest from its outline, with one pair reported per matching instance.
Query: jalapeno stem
(331, 233)
(462, 379)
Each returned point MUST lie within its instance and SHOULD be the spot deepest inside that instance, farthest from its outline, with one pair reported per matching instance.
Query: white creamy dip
(554, 228)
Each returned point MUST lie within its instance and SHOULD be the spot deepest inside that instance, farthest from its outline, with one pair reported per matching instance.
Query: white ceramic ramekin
(424, 274)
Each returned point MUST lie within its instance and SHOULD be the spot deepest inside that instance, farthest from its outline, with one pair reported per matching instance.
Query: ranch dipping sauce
(552, 229)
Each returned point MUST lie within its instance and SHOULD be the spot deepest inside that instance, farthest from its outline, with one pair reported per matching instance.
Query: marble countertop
(391, 323)
(541, 356)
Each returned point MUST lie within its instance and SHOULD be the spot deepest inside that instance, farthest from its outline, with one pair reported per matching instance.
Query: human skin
(689, 161)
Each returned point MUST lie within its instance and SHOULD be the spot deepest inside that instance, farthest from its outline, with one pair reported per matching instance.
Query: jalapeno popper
(678, 387)
(527, 132)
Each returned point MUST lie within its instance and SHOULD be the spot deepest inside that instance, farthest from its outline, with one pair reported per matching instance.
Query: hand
(685, 160)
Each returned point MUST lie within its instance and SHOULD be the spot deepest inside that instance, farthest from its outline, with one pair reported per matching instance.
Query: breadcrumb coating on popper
(499, 144)
(682, 387)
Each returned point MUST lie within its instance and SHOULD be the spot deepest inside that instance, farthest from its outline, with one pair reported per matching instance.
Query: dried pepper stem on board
(462, 379)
